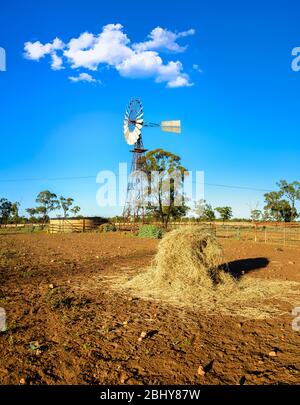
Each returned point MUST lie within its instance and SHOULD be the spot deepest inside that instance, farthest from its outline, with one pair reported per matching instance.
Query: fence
(14, 229)
(280, 234)
(285, 234)
(65, 225)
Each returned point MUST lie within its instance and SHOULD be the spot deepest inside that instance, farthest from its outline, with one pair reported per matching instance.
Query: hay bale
(187, 266)
(189, 256)
(188, 271)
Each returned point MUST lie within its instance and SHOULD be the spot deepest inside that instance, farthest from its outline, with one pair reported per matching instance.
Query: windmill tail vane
(166, 126)
(171, 126)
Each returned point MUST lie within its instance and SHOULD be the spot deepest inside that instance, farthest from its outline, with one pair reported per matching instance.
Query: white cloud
(112, 48)
(84, 41)
(109, 47)
(149, 64)
(144, 64)
(57, 62)
(180, 81)
(187, 33)
(83, 77)
(197, 68)
(163, 39)
(36, 50)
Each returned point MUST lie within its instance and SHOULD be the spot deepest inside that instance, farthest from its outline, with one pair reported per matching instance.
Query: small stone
(123, 378)
(51, 286)
(272, 354)
(201, 371)
(52, 260)
(291, 262)
(22, 381)
(142, 336)
(35, 344)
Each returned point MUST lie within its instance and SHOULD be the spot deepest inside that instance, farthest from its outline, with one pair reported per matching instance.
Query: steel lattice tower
(134, 209)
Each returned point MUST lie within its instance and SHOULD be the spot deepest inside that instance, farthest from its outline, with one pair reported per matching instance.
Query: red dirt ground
(66, 326)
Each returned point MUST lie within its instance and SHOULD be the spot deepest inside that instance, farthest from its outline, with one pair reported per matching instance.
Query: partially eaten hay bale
(188, 271)
(188, 257)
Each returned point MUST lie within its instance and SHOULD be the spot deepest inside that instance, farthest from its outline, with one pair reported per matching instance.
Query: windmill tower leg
(134, 209)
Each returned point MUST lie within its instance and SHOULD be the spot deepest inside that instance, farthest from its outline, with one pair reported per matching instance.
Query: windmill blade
(136, 133)
(133, 121)
(130, 139)
(171, 126)
(126, 134)
(140, 116)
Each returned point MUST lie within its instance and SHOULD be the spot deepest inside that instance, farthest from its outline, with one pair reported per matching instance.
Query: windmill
(134, 208)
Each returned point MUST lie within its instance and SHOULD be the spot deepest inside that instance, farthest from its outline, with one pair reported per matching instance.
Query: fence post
(284, 236)
(265, 234)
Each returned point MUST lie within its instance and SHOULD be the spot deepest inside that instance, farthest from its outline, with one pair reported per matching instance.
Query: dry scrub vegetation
(189, 270)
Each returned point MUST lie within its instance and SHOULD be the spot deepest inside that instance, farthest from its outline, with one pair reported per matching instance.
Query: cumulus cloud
(109, 47)
(57, 62)
(180, 81)
(112, 48)
(163, 39)
(83, 77)
(36, 50)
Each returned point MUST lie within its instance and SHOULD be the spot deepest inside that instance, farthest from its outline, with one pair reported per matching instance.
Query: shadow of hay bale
(237, 268)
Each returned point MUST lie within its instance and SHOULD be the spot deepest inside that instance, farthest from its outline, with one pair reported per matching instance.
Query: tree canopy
(165, 175)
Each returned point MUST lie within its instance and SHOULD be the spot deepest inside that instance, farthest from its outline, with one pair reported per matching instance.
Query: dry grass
(187, 272)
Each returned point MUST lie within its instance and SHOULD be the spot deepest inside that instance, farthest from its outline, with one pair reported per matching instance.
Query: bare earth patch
(66, 324)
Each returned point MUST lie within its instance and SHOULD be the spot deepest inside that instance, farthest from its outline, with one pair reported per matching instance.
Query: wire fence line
(279, 233)
(285, 234)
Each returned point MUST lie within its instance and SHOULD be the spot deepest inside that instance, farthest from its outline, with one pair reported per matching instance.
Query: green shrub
(107, 228)
(150, 231)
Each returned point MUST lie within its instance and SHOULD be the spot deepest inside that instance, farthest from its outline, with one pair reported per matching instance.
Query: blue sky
(239, 118)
